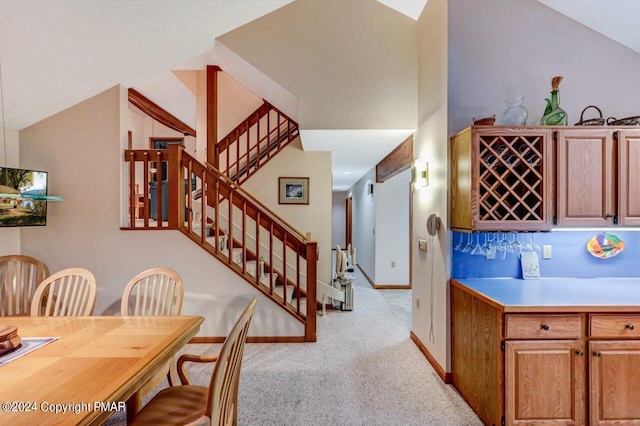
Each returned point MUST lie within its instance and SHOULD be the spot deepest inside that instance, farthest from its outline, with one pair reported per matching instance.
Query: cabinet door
(614, 382)
(511, 180)
(460, 187)
(545, 383)
(585, 171)
(629, 177)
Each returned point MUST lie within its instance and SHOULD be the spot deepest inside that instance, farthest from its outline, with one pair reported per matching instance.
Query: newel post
(175, 189)
(311, 256)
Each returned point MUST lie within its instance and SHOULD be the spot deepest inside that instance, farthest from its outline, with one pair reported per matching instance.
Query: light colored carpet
(364, 370)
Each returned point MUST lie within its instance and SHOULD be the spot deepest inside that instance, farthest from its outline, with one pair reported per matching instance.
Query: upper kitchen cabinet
(501, 179)
(585, 177)
(598, 176)
(629, 176)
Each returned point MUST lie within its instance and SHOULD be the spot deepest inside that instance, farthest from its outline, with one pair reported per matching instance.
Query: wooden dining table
(87, 374)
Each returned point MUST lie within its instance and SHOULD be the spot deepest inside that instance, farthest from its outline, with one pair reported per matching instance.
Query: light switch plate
(422, 245)
(546, 251)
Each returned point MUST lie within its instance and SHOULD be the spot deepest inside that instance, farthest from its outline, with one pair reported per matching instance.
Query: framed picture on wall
(293, 190)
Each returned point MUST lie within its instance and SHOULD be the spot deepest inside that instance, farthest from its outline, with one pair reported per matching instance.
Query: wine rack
(509, 179)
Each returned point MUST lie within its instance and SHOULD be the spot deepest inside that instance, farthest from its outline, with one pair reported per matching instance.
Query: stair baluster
(274, 266)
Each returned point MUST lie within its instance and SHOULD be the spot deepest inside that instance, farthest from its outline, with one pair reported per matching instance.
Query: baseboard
(392, 287)
(383, 286)
(446, 377)
(252, 339)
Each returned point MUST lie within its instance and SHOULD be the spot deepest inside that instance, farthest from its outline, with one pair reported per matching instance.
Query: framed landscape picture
(293, 190)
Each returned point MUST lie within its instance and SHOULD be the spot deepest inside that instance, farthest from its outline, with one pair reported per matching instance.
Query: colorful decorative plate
(604, 246)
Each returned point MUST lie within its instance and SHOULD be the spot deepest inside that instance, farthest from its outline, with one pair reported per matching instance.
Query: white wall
(500, 48)
(430, 271)
(339, 214)
(392, 230)
(315, 217)
(235, 103)
(364, 223)
(143, 128)
(81, 148)
(9, 237)
(339, 57)
(381, 228)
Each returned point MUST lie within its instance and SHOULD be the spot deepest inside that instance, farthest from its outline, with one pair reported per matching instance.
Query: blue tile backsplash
(569, 256)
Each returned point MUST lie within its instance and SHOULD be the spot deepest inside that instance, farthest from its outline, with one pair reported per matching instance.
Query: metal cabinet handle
(579, 352)
(596, 354)
(629, 327)
(545, 327)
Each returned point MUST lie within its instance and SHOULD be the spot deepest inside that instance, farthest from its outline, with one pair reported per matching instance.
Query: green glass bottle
(553, 114)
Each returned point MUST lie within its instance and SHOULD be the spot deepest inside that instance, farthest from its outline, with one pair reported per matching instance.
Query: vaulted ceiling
(54, 54)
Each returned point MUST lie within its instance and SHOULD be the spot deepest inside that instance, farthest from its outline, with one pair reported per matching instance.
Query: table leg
(134, 404)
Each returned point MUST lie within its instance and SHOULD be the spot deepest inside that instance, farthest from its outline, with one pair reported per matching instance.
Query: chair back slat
(69, 292)
(19, 277)
(154, 292)
(223, 388)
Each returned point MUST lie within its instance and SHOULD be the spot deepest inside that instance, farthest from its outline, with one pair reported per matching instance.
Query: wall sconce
(420, 174)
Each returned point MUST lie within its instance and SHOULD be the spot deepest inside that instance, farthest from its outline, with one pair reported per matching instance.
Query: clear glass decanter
(516, 114)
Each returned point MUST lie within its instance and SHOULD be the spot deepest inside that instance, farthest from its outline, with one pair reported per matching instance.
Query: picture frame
(293, 190)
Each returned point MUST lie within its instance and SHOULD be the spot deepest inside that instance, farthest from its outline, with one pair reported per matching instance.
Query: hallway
(363, 370)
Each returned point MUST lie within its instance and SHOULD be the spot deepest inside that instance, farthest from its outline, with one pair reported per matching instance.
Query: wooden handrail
(284, 252)
(244, 125)
(240, 152)
(238, 188)
(158, 113)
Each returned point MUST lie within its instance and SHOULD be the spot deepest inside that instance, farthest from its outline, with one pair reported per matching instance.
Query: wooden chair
(19, 278)
(216, 404)
(154, 292)
(69, 292)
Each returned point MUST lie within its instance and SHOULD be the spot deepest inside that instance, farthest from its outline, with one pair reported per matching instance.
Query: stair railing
(254, 141)
(255, 233)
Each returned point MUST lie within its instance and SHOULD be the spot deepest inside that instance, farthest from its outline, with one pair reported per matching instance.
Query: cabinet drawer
(543, 326)
(614, 326)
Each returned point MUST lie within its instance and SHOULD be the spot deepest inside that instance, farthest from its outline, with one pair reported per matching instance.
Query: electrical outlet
(393, 263)
(417, 302)
(546, 251)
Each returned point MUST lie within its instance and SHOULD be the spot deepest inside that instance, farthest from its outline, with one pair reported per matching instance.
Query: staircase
(231, 225)
(253, 142)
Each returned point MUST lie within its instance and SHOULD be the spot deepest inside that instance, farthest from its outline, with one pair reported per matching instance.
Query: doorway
(162, 143)
(349, 221)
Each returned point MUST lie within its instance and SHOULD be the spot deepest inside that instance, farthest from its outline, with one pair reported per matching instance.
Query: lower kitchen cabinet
(614, 381)
(614, 369)
(544, 383)
(536, 365)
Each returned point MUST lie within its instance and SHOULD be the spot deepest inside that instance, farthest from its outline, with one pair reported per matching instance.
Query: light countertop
(562, 294)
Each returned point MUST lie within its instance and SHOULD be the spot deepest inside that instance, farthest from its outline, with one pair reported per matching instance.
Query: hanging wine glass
(489, 247)
(501, 247)
(477, 249)
(515, 246)
(534, 246)
(469, 246)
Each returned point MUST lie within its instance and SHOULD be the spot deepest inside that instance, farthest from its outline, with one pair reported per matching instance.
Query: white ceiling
(353, 152)
(54, 54)
(617, 19)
